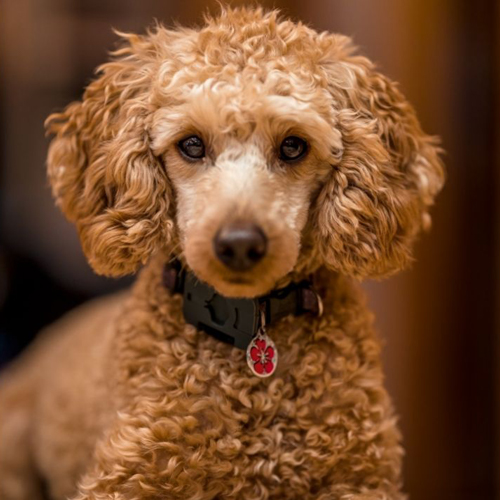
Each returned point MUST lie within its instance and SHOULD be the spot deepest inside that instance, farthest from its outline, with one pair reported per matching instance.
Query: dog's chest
(212, 424)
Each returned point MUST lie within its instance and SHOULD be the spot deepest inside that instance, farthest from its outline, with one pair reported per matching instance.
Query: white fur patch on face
(241, 183)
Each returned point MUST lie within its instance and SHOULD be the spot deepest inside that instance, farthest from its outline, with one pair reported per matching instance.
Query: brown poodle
(257, 155)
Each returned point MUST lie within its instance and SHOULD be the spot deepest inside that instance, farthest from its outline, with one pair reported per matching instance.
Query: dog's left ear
(103, 174)
(377, 197)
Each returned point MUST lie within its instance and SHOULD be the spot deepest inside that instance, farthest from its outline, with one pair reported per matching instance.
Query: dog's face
(252, 149)
(246, 158)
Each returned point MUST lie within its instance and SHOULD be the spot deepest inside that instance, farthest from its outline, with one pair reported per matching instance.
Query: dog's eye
(192, 147)
(293, 148)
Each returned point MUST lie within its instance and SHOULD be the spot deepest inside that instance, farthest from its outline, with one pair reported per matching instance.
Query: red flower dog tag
(262, 355)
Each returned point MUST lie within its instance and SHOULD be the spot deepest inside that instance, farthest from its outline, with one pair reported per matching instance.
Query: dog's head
(251, 148)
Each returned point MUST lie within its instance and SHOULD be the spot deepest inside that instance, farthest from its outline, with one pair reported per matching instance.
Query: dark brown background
(440, 320)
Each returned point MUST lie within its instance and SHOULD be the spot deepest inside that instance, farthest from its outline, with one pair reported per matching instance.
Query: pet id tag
(262, 355)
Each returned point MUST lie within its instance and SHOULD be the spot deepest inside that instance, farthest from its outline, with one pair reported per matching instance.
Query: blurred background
(440, 321)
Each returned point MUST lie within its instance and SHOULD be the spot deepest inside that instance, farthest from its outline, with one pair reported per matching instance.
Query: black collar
(237, 321)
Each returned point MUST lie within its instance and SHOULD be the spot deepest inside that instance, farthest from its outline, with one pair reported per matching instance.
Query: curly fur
(124, 400)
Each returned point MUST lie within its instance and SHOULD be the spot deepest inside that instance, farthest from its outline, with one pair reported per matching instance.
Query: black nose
(240, 245)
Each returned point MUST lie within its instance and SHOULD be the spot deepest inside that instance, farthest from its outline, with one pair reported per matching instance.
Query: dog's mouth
(239, 281)
(235, 286)
(242, 260)
(261, 280)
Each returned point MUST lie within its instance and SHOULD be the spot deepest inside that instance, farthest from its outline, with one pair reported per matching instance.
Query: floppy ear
(377, 197)
(103, 174)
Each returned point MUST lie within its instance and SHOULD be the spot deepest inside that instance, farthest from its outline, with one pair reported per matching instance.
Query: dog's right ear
(385, 178)
(100, 165)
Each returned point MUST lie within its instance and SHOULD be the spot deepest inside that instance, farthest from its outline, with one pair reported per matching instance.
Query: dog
(256, 170)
